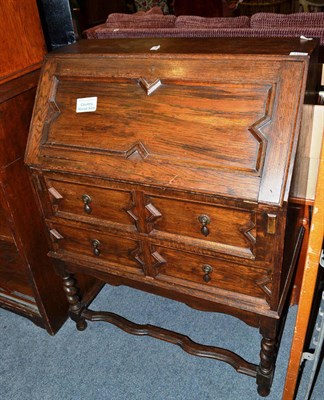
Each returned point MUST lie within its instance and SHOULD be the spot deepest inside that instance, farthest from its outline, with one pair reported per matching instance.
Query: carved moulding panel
(178, 124)
(266, 285)
(53, 110)
(149, 258)
(248, 231)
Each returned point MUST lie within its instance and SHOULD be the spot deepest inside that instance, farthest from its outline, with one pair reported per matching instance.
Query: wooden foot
(81, 324)
(263, 390)
(75, 307)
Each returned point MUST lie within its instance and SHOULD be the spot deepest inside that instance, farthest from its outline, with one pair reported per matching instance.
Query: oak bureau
(165, 165)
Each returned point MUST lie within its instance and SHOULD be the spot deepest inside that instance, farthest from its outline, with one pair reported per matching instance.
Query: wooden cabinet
(169, 171)
(22, 45)
(28, 283)
(24, 271)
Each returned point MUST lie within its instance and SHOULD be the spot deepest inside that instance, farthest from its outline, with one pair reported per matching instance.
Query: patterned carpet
(103, 362)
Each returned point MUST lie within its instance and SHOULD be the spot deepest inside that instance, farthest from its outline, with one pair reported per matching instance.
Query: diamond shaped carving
(131, 211)
(138, 255)
(157, 261)
(256, 130)
(247, 232)
(149, 87)
(266, 285)
(53, 110)
(154, 213)
(137, 152)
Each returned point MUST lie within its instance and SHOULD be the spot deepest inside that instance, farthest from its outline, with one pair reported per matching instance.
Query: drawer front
(103, 249)
(208, 273)
(90, 201)
(229, 227)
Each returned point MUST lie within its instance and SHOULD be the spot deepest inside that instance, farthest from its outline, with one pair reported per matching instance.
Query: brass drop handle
(95, 247)
(208, 269)
(86, 201)
(204, 220)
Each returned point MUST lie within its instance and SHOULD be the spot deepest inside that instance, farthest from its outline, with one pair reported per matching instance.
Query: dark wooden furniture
(22, 47)
(28, 283)
(168, 169)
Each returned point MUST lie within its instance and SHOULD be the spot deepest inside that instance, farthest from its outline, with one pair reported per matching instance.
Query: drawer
(68, 197)
(208, 274)
(228, 227)
(99, 248)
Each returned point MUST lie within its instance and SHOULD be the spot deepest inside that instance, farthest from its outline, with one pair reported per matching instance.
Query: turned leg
(267, 364)
(71, 290)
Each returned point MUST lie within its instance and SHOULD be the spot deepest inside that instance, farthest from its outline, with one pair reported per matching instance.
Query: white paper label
(87, 104)
(297, 53)
(305, 38)
(155, 48)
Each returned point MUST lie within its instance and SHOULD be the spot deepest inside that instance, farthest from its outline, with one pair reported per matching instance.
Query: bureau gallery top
(213, 116)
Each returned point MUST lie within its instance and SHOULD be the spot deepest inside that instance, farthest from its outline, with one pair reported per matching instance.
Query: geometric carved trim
(157, 261)
(261, 139)
(138, 255)
(255, 130)
(55, 234)
(130, 210)
(53, 110)
(266, 285)
(154, 213)
(149, 88)
(246, 230)
(55, 193)
(137, 152)
(56, 198)
(55, 237)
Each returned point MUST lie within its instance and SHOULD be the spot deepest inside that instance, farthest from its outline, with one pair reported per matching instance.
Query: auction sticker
(87, 104)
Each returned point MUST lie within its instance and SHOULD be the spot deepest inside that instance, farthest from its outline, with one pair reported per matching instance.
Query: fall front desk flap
(216, 116)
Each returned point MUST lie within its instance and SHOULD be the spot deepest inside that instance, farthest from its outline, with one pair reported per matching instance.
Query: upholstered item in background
(195, 22)
(299, 20)
(153, 18)
(144, 5)
(261, 25)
